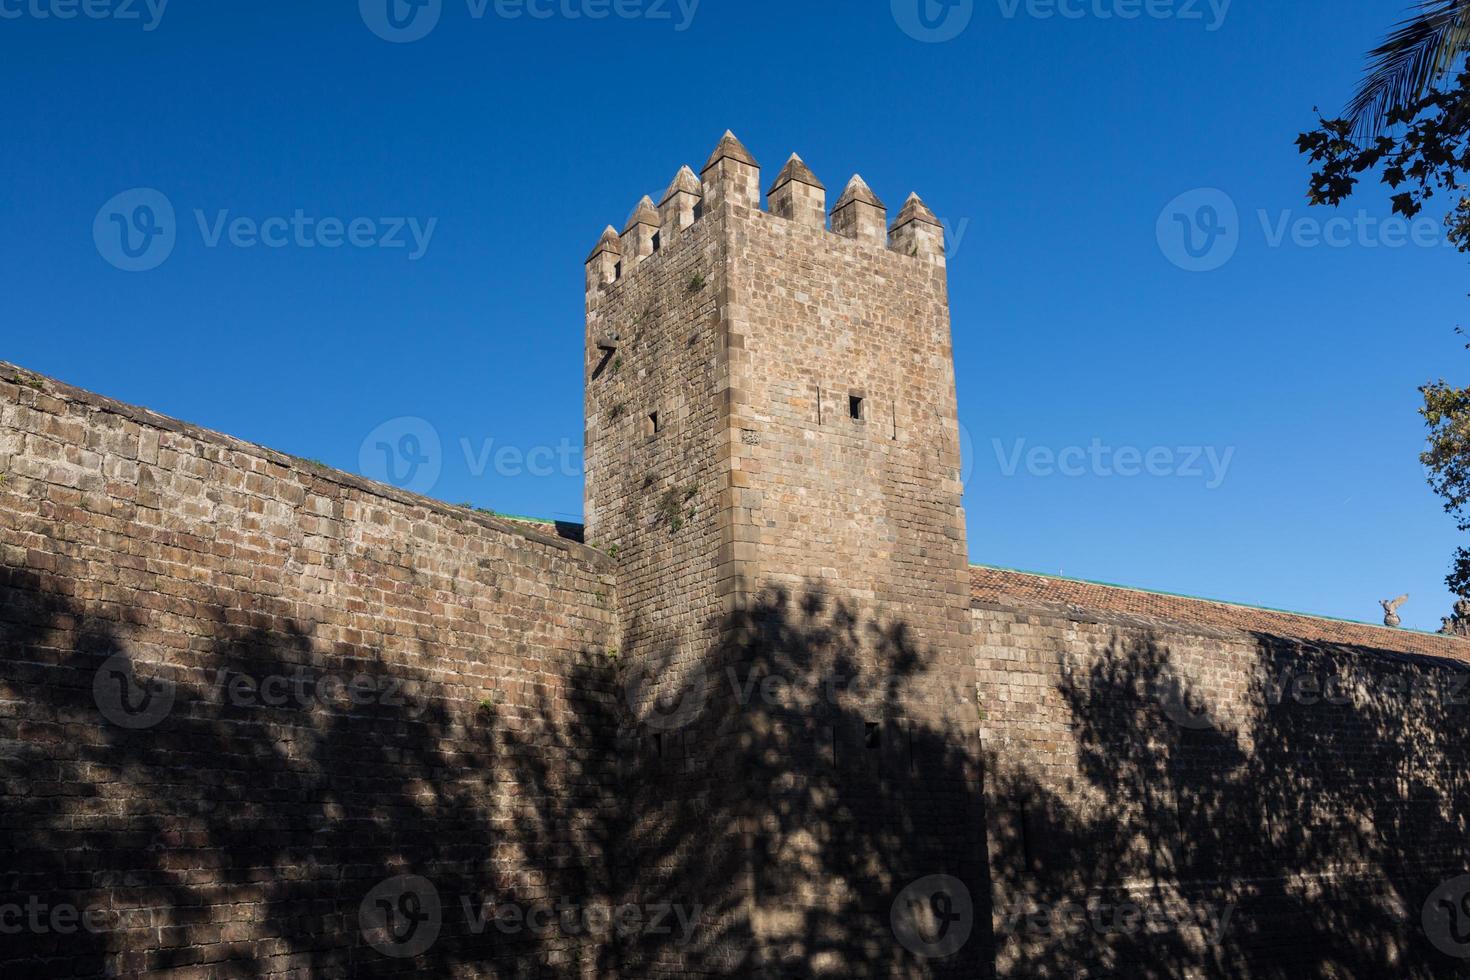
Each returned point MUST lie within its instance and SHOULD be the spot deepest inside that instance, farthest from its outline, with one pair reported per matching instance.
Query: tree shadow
(243, 832)
(811, 788)
(773, 823)
(1261, 831)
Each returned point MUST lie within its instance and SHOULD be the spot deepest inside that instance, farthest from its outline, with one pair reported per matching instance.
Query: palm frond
(1421, 50)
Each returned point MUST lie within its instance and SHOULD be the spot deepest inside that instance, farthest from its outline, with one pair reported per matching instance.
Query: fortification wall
(848, 472)
(1170, 799)
(823, 550)
(240, 692)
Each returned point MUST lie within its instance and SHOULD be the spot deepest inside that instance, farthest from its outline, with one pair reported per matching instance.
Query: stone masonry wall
(653, 498)
(657, 499)
(856, 553)
(1173, 800)
(241, 695)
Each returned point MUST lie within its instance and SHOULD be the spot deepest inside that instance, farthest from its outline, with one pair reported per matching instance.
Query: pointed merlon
(644, 214)
(797, 170)
(686, 181)
(609, 242)
(914, 209)
(730, 148)
(858, 191)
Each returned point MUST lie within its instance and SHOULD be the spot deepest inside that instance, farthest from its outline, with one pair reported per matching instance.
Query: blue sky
(1270, 400)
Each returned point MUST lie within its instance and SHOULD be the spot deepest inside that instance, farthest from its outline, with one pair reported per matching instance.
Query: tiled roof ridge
(1006, 586)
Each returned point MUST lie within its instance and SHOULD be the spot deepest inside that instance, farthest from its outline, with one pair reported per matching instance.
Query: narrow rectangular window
(654, 425)
(658, 240)
(617, 271)
(855, 406)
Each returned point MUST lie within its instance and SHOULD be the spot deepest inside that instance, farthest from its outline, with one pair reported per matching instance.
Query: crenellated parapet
(732, 179)
(682, 204)
(917, 232)
(641, 234)
(798, 194)
(604, 264)
(859, 214)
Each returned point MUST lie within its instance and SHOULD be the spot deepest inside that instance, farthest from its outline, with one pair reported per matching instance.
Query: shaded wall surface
(1181, 799)
(258, 718)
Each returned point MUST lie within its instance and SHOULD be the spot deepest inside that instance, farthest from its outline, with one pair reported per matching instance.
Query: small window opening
(698, 210)
(658, 240)
(872, 735)
(617, 271)
(653, 423)
(855, 406)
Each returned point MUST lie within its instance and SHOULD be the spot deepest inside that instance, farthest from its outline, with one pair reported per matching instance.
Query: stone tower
(773, 457)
